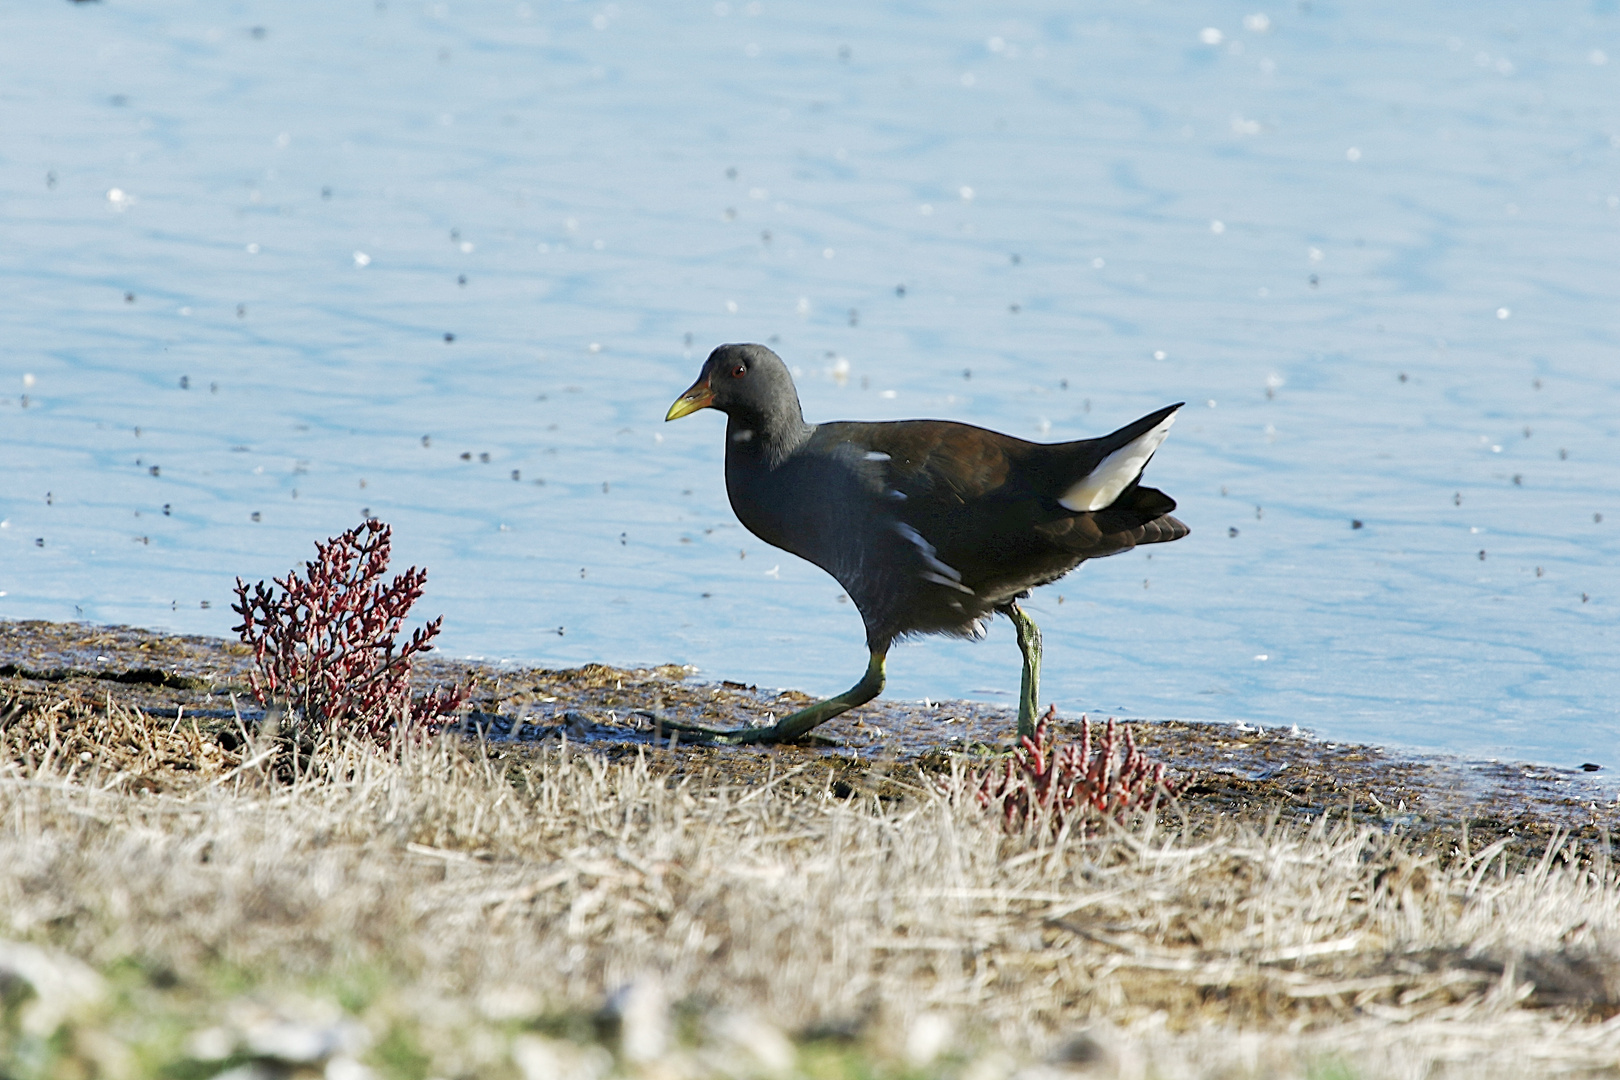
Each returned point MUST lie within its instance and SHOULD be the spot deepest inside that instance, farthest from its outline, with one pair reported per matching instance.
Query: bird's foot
(794, 726)
(747, 736)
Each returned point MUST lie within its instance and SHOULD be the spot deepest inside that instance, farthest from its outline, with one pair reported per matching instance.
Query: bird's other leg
(794, 725)
(1029, 687)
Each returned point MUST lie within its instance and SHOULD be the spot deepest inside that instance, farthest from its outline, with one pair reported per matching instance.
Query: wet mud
(886, 749)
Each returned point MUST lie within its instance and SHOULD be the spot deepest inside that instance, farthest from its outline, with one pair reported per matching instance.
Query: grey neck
(768, 440)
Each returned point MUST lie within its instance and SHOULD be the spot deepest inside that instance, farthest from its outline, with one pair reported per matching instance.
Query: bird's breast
(817, 506)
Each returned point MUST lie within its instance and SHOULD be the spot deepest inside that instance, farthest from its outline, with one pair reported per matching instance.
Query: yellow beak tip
(699, 397)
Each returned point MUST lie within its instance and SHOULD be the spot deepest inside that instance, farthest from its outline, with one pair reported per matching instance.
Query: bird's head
(749, 383)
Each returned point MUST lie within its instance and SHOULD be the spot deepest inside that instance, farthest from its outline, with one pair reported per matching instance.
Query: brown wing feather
(970, 462)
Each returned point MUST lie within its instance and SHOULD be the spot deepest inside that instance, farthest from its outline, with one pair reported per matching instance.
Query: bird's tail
(1124, 455)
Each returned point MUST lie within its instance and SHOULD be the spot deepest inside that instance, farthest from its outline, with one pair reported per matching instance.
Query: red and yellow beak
(697, 396)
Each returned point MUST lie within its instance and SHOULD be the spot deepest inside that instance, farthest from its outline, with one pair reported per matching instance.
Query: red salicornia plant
(325, 644)
(1044, 783)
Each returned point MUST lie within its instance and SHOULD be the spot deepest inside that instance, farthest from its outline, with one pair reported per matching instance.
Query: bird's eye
(739, 371)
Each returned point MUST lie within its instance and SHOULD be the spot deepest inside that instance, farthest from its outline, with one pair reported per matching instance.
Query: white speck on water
(28, 379)
(1504, 313)
(362, 259)
(1098, 263)
(595, 346)
(775, 571)
(803, 306)
(968, 79)
(1496, 449)
(925, 209)
(731, 306)
(283, 140)
(1258, 23)
(467, 247)
(185, 311)
(1315, 254)
(887, 394)
(827, 253)
(1597, 58)
(1210, 403)
(1211, 36)
(966, 193)
(1353, 154)
(253, 249)
(996, 44)
(1262, 656)
(1160, 354)
(1217, 227)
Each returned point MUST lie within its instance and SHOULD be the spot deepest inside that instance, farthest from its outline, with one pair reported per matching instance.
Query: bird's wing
(930, 458)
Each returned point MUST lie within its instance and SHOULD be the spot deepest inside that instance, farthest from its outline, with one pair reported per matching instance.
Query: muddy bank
(882, 749)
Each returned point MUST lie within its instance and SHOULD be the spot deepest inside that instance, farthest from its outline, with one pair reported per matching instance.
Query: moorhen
(930, 526)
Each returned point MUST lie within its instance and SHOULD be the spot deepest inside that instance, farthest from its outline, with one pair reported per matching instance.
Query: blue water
(1375, 246)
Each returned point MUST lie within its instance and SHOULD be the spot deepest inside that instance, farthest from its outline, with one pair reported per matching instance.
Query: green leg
(796, 724)
(1029, 688)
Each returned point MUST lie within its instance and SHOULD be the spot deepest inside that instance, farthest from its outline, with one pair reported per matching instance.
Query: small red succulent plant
(1043, 782)
(326, 644)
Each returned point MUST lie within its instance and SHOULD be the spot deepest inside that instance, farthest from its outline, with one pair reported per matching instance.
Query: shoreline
(1240, 772)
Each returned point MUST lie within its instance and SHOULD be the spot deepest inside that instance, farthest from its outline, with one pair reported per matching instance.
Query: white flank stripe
(938, 572)
(941, 579)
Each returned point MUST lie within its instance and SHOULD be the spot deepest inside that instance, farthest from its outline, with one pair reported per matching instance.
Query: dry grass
(449, 912)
